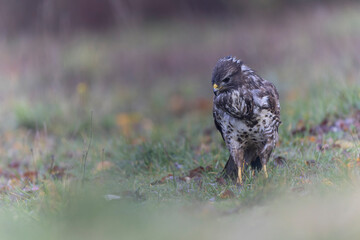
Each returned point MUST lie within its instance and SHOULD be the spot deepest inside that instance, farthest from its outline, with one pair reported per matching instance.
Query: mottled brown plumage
(247, 113)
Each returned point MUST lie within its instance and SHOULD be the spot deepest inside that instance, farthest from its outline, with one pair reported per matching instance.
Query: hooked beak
(215, 88)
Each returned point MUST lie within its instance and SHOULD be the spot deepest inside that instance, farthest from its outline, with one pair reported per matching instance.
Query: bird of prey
(246, 112)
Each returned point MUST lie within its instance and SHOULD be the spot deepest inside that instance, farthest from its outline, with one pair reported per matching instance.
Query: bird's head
(226, 74)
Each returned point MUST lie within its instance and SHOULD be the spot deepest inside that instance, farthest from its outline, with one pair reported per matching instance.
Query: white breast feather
(262, 102)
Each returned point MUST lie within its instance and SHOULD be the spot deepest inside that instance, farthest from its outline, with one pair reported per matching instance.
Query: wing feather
(218, 125)
(237, 103)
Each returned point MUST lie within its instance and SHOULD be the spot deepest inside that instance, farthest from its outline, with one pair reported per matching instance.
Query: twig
(52, 162)
(88, 148)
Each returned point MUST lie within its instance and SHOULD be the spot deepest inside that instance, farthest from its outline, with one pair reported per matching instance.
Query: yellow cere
(215, 86)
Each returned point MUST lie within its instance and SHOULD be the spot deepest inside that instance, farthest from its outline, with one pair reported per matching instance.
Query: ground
(112, 135)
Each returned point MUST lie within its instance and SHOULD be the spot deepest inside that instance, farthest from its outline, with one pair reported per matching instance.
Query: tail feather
(230, 170)
(256, 164)
(252, 159)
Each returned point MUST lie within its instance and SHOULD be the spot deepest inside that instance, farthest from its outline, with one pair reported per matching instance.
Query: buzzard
(246, 112)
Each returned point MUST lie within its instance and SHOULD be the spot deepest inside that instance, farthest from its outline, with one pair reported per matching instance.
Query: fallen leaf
(343, 144)
(344, 124)
(30, 176)
(162, 180)
(208, 168)
(227, 194)
(350, 164)
(310, 163)
(14, 164)
(103, 166)
(321, 147)
(312, 139)
(322, 128)
(127, 121)
(196, 172)
(58, 172)
(306, 181)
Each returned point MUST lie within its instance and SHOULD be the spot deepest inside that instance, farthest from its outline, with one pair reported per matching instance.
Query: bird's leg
(265, 155)
(239, 160)
(264, 160)
(239, 178)
(265, 171)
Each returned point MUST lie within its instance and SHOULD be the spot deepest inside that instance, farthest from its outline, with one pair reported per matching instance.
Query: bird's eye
(226, 80)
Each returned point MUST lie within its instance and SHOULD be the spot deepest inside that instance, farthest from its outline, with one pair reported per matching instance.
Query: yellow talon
(265, 172)
(239, 180)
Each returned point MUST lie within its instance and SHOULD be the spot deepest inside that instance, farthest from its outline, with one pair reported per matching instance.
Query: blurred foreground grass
(67, 175)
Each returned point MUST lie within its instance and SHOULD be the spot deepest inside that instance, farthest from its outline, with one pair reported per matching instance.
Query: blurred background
(145, 66)
(113, 95)
(60, 58)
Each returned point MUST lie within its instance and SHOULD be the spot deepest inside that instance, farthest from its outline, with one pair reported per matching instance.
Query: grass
(134, 134)
(67, 208)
